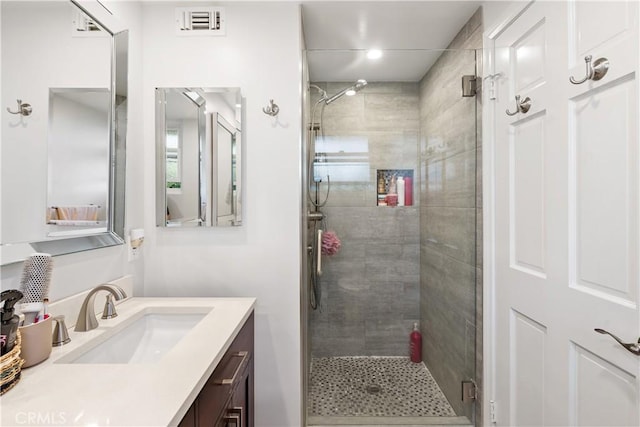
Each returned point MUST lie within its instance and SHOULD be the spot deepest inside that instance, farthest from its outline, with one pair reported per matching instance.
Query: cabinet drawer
(230, 378)
(214, 397)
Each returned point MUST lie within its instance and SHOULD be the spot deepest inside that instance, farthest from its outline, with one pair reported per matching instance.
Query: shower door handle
(631, 347)
(319, 254)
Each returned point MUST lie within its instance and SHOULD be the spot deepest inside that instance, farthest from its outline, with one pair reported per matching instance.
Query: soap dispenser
(10, 321)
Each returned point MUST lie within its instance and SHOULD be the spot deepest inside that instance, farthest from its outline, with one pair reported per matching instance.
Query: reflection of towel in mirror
(52, 214)
(85, 213)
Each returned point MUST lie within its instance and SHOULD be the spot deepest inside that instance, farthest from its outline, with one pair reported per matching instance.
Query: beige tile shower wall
(370, 295)
(383, 116)
(448, 217)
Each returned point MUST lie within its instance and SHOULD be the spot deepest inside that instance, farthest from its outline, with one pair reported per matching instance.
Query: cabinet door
(226, 399)
(242, 399)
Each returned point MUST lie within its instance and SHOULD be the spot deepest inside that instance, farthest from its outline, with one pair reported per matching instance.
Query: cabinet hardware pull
(631, 347)
(232, 380)
(237, 411)
(232, 421)
(594, 72)
(521, 106)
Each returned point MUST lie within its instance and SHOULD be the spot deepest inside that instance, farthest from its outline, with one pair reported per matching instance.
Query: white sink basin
(144, 338)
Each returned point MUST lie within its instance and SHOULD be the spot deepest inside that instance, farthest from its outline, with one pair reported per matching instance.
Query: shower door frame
(305, 311)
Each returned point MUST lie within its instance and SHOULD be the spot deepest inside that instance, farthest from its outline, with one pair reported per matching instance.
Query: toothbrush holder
(36, 342)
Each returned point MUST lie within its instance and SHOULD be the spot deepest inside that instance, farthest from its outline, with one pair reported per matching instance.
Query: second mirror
(198, 157)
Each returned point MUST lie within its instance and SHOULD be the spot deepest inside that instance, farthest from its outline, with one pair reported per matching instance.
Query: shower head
(349, 91)
(358, 86)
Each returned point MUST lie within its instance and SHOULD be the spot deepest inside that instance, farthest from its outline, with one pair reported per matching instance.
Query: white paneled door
(567, 213)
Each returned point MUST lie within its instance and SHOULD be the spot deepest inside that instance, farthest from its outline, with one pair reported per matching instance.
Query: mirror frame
(17, 252)
(207, 150)
(218, 121)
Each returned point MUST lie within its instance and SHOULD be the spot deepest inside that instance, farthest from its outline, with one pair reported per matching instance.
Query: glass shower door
(398, 263)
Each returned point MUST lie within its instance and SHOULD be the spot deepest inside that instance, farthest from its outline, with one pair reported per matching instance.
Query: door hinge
(469, 85)
(493, 416)
(469, 391)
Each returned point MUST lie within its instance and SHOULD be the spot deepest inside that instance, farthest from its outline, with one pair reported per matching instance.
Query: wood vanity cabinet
(226, 400)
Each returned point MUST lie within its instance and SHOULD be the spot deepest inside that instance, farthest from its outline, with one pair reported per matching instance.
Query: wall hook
(521, 106)
(23, 109)
(594, 72)
(272, 109)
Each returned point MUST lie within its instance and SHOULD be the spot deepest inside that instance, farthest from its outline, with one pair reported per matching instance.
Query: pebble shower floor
(374, 387)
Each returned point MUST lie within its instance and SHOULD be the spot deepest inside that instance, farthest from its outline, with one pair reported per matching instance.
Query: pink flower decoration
(330, 243)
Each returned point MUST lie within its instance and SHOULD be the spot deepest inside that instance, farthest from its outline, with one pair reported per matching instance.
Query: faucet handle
(120, 291)
(60, 333)
(109, 310)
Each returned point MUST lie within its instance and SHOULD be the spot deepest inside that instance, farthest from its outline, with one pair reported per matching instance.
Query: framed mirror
(63, 165)
(198, 157)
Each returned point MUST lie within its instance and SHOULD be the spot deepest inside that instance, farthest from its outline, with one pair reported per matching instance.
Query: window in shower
(342, 158)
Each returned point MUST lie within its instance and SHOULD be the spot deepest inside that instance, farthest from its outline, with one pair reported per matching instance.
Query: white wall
(261, 54)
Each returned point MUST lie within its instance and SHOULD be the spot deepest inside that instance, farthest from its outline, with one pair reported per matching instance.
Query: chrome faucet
(87, 316)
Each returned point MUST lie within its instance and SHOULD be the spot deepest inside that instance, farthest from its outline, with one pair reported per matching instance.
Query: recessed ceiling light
(374, 54)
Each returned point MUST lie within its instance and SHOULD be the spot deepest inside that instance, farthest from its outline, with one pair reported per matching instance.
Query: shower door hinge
(469, 391)
(469, 85)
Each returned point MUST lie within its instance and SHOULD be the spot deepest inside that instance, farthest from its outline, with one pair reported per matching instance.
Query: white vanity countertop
(154, 394)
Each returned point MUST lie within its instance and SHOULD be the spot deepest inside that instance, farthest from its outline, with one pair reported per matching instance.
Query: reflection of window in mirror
(173, 171)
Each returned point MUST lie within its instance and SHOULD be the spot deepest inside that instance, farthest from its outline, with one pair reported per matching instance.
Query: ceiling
(411, 34)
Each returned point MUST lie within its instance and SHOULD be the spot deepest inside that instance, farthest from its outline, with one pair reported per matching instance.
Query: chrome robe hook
(521, 106)
(23, 109)
(272, 109)
(594, 72)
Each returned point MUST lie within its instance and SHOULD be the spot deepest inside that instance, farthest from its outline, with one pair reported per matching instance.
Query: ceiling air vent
(200, 21)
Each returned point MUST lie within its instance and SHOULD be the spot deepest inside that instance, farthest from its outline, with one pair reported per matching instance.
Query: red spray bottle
(415, 344)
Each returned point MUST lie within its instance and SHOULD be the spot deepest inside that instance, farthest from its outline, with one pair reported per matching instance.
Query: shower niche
(394, 187)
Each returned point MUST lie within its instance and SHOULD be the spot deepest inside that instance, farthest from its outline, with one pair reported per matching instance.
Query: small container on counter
(36, 342)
